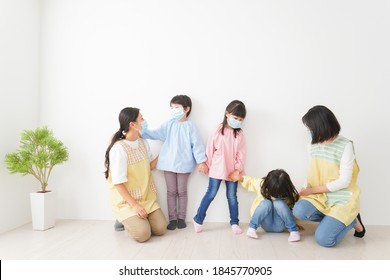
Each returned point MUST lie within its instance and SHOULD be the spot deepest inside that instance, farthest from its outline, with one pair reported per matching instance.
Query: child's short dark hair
(183, 100)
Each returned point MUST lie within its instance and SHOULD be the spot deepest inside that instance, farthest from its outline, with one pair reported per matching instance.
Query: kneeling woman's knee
(138, 229)
(141, 234)
(160, 229)
(324, 240)
(157, 222)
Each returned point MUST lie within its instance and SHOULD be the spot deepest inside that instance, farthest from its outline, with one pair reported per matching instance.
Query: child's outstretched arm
(155, 134)
(251, 184)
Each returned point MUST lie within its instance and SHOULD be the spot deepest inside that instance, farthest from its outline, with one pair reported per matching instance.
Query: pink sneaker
(236, 229)
(197, 227)
(294, 236)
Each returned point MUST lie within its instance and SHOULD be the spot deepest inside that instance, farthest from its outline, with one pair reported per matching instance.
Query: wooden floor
(97, 240)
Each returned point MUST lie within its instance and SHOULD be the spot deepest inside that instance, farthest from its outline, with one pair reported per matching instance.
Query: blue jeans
(231, 194)
(330, 231)
(273, 216)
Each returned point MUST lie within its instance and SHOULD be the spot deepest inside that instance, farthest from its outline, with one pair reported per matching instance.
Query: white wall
(279, 57)
(19, 99)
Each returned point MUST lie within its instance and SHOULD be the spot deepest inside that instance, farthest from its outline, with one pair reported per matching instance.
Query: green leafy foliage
(39, 152)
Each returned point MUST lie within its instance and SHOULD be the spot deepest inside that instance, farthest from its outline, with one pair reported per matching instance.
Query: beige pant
(142, 229)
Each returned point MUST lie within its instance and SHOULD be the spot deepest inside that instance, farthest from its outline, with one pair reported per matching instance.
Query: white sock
(197, 227)
(294, 236)
(251, 232)
(236, 229)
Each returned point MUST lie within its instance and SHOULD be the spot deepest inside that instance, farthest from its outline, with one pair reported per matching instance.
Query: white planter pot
(43, 210)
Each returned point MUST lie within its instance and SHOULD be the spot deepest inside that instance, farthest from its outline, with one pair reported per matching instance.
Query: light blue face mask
(310, 135)
(233, 123)
(177, 113)
(144, 125)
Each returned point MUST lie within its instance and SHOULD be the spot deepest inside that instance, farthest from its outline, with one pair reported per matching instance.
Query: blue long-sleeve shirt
(182, 149)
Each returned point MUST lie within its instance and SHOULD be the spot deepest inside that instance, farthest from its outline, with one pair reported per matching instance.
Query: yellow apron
(324, 168)
(140, 184)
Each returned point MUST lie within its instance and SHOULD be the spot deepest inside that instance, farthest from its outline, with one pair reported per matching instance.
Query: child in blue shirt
(180, 153)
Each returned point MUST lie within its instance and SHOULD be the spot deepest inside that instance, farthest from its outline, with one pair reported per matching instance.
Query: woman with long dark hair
(128, 162)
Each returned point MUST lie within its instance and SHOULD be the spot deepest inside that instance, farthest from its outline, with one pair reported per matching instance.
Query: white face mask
(177, 113)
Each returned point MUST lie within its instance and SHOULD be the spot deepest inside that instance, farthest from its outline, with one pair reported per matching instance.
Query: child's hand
(203, 168)
(235, 176)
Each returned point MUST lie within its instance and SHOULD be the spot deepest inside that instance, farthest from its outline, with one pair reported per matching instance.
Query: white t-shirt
(346, 169)
(118, 160)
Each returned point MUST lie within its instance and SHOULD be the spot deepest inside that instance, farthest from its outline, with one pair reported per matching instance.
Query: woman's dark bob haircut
(322, 123)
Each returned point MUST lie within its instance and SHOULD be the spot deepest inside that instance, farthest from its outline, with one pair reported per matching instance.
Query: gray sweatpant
(177, 197)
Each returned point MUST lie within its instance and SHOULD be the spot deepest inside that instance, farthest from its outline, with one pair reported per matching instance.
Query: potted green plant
(38, 153)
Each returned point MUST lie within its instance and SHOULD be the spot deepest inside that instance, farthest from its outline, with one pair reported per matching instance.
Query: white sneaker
(236, 229)
(294, 236)
(251, 232)
(197, 227)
